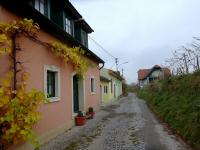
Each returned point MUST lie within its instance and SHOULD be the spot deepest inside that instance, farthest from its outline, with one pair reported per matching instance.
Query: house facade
(146, 76)
(104, 89)
(113, 89)
(59, 21)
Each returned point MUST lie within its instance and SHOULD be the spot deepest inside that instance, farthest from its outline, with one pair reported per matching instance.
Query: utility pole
(186, 65)
(116, 62)
(197, 62)
(122, 72)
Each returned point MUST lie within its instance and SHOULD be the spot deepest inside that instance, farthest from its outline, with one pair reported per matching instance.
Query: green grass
(177, 101)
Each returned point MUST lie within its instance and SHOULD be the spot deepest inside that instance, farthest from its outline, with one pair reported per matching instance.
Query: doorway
(101, 94)
(75, 94)
(114, 91)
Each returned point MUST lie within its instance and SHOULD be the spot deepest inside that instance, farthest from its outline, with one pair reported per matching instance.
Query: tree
(185, 59)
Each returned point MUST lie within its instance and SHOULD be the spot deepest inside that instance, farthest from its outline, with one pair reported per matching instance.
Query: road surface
(126, 124)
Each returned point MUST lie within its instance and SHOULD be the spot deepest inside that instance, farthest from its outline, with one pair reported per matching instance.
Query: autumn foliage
(18, 108)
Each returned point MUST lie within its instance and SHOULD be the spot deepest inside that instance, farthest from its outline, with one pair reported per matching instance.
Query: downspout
(102, 66)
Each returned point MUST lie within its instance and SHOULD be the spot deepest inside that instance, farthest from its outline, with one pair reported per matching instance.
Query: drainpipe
(101, 66)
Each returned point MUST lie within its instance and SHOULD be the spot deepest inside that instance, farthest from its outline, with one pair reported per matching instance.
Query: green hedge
(177, 101)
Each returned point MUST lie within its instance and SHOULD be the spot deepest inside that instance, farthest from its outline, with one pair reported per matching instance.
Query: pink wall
(54, 114)
(93, 100)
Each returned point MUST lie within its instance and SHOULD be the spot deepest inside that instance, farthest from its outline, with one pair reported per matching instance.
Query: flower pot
(91, 114)
(80, 121)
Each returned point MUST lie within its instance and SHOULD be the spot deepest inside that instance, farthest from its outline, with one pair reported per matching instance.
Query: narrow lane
(132, 126)
(124, 125)
(155, 135)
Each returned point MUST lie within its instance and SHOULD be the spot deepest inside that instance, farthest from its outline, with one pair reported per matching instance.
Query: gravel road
(126, 124)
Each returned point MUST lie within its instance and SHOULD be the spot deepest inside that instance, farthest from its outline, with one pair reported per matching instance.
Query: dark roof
(81, 22)
(79, 18)
(24, 10)
(71, 8)
(102, 78)
(156, 67)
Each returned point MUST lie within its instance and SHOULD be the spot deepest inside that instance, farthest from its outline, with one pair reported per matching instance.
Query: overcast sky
(142, 32)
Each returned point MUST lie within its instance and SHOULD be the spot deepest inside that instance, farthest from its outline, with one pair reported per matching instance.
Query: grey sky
(142, 32)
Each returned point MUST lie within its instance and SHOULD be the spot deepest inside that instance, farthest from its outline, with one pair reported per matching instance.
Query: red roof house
(145, 76)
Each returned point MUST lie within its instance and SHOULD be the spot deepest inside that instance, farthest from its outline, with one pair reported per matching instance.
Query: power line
(101, 47)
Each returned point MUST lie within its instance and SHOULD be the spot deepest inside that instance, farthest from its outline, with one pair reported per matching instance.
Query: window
(84, 38)
(40, 5)
(52, 83)
(69, 26)
(92, 85)
(105, 89)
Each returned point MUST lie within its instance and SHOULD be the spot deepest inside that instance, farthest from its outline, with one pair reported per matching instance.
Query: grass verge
(177, 102)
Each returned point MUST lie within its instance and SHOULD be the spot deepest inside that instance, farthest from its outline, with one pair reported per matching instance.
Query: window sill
(93, 93)
(53, 99)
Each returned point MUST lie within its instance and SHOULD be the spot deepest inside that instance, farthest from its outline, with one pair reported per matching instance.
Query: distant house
(146, 76)
(110, 85)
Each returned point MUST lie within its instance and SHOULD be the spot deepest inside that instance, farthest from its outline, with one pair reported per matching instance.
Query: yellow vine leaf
(21, 112)
(74, 56)
(5, 44)
(19, 108)
(7, 29)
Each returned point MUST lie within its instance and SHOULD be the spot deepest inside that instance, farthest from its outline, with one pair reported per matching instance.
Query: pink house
(59, 21)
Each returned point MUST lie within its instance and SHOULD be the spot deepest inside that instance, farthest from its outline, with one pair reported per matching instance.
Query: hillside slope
(177, 102)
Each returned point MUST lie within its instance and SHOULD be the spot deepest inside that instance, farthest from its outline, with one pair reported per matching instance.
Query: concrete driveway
(126, 124)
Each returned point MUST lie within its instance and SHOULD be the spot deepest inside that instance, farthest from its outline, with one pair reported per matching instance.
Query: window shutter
(47, 8)
(57, 14)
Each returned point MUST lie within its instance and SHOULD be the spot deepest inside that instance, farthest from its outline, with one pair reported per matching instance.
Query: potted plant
(80, 119)
(91, 112)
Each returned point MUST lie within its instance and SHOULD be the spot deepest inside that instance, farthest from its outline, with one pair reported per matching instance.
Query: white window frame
(57, 84)
(84, 39)
(40, 6)
(92, 92)
(69, 26)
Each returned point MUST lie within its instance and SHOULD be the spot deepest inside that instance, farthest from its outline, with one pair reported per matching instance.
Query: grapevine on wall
(74, 56)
